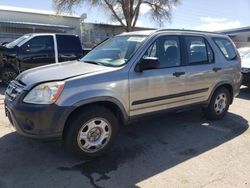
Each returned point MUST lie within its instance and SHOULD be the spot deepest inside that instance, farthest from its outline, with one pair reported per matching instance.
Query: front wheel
(91, 132)
(218, 105)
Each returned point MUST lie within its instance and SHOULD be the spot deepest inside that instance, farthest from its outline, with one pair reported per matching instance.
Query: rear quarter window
(226, 47)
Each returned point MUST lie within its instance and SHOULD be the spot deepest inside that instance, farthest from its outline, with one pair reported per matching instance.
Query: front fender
(80, 99)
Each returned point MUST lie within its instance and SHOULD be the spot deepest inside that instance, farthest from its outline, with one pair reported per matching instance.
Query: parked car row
(127, 77)
(33, 50)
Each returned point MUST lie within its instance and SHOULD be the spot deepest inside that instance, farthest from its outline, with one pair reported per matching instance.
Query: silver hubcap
(220, 103)
(94, 135)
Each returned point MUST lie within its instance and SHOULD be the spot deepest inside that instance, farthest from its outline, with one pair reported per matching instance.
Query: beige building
(240, 36)
(94, 33)
(16, 21)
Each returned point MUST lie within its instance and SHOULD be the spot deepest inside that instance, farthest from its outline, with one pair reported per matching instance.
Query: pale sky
(209, 15)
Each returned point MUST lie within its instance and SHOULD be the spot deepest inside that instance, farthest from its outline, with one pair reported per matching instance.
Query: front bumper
(36, 121)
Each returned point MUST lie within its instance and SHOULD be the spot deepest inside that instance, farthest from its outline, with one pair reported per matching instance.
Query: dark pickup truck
(33, 50)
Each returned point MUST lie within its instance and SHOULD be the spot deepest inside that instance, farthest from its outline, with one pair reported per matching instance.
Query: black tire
(80, 120)
(211, 111)
(7, 75)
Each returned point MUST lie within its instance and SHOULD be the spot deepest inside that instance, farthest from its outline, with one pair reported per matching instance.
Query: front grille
(14, 89)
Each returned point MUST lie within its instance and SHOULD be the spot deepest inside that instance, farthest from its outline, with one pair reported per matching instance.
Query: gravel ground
(174, 150)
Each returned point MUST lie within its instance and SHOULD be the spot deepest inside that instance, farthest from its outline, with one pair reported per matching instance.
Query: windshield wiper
(108, 65)
(100, 63)
(92, 62)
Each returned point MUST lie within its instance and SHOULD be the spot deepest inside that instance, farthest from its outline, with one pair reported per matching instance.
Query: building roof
(117, 25)
(36, 11)
(236, 30)
(38, 25)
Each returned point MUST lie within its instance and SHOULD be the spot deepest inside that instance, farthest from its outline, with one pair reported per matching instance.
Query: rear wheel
(7, 75)
(91, 132)
(218, 105)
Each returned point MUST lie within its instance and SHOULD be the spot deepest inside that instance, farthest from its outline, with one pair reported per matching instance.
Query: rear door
(36, 52)
(162, 88)
(201, 68)
(69, 47)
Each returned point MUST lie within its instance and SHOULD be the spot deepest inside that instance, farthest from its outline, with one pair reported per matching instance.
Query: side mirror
(25, 48)
(147, 63)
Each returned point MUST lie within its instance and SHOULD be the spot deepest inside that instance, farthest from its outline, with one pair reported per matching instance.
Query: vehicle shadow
(142, 150)
(244, 93)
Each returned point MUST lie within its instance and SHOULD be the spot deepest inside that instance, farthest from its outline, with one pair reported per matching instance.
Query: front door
(162, 88)
(36, 52)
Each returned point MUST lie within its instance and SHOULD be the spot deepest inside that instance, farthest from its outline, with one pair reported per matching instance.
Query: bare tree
(126, 12)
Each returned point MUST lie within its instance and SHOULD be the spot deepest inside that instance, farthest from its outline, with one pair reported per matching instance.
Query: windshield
(17, 41)
(115, 51)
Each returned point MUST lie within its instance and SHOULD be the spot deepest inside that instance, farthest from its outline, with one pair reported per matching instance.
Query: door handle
(216, 69)
(178, 74)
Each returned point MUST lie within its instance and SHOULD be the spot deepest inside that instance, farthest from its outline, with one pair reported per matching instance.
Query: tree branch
(136, 13)
(113, 11)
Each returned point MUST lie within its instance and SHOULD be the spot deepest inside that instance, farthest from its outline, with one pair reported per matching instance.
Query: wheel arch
(228, 86)
(10, 64)
(112, 104)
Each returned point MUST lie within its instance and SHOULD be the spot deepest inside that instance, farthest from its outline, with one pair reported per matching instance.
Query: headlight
(46, 93)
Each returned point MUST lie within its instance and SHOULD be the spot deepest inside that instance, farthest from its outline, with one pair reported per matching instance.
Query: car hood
(7, 51)
(245, 62)
(59, 71)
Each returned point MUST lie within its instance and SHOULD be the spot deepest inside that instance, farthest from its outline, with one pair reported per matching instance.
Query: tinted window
(226, 48)
(199, 52)
(167, 50)
(68, 43)
(39, 44)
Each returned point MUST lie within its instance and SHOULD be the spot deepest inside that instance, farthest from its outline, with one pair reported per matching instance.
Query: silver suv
(128, 76)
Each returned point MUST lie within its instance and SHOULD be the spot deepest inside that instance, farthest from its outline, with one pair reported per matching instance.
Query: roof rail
(188, 30)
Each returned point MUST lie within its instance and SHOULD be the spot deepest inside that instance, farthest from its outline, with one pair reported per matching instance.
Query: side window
(68, 43)
(167, 50)
(199, 51)
(226, 48)
(39, 44)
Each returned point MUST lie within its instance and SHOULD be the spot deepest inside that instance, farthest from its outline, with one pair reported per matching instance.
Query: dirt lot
(176, 150)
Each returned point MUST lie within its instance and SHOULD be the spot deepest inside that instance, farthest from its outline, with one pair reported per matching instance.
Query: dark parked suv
(33, 50)
(128, 76)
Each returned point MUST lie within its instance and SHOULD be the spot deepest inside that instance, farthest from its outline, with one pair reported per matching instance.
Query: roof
(236, 30)
(174, 31)
(36, 11)
(40, 25)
